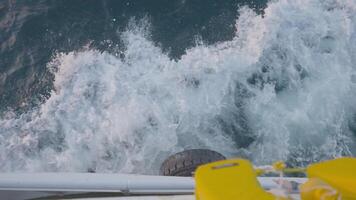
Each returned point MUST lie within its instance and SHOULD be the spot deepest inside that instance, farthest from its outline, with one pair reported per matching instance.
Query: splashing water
(283, 88)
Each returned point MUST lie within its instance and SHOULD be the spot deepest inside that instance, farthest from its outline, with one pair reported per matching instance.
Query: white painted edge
(32, 184)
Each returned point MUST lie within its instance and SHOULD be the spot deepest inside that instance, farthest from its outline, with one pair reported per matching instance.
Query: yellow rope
(279, 166)
(294, 170)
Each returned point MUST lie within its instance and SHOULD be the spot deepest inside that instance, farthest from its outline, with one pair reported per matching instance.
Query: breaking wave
(283, 89)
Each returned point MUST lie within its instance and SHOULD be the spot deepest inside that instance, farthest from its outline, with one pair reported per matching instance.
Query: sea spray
(282, 89)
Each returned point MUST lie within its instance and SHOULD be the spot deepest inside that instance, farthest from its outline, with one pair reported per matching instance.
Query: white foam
(287, 76)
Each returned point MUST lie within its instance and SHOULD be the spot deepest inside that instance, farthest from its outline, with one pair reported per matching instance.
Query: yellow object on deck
(333, 179)
(237, 180)
(229, 180)
(316, 189)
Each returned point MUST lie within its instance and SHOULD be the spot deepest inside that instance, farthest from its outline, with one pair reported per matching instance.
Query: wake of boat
(282, 89)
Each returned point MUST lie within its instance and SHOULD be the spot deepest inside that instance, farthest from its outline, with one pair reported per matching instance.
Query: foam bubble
(283, 88)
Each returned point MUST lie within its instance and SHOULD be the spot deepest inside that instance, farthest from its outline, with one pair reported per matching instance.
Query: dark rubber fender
(185, 163)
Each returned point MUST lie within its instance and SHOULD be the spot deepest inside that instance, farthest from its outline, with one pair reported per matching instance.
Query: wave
(282, 89)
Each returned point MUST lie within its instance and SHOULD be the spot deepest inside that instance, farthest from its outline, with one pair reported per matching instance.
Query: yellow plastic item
(279, 166)
(340, 174)
(229, 180)
(316, 189)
